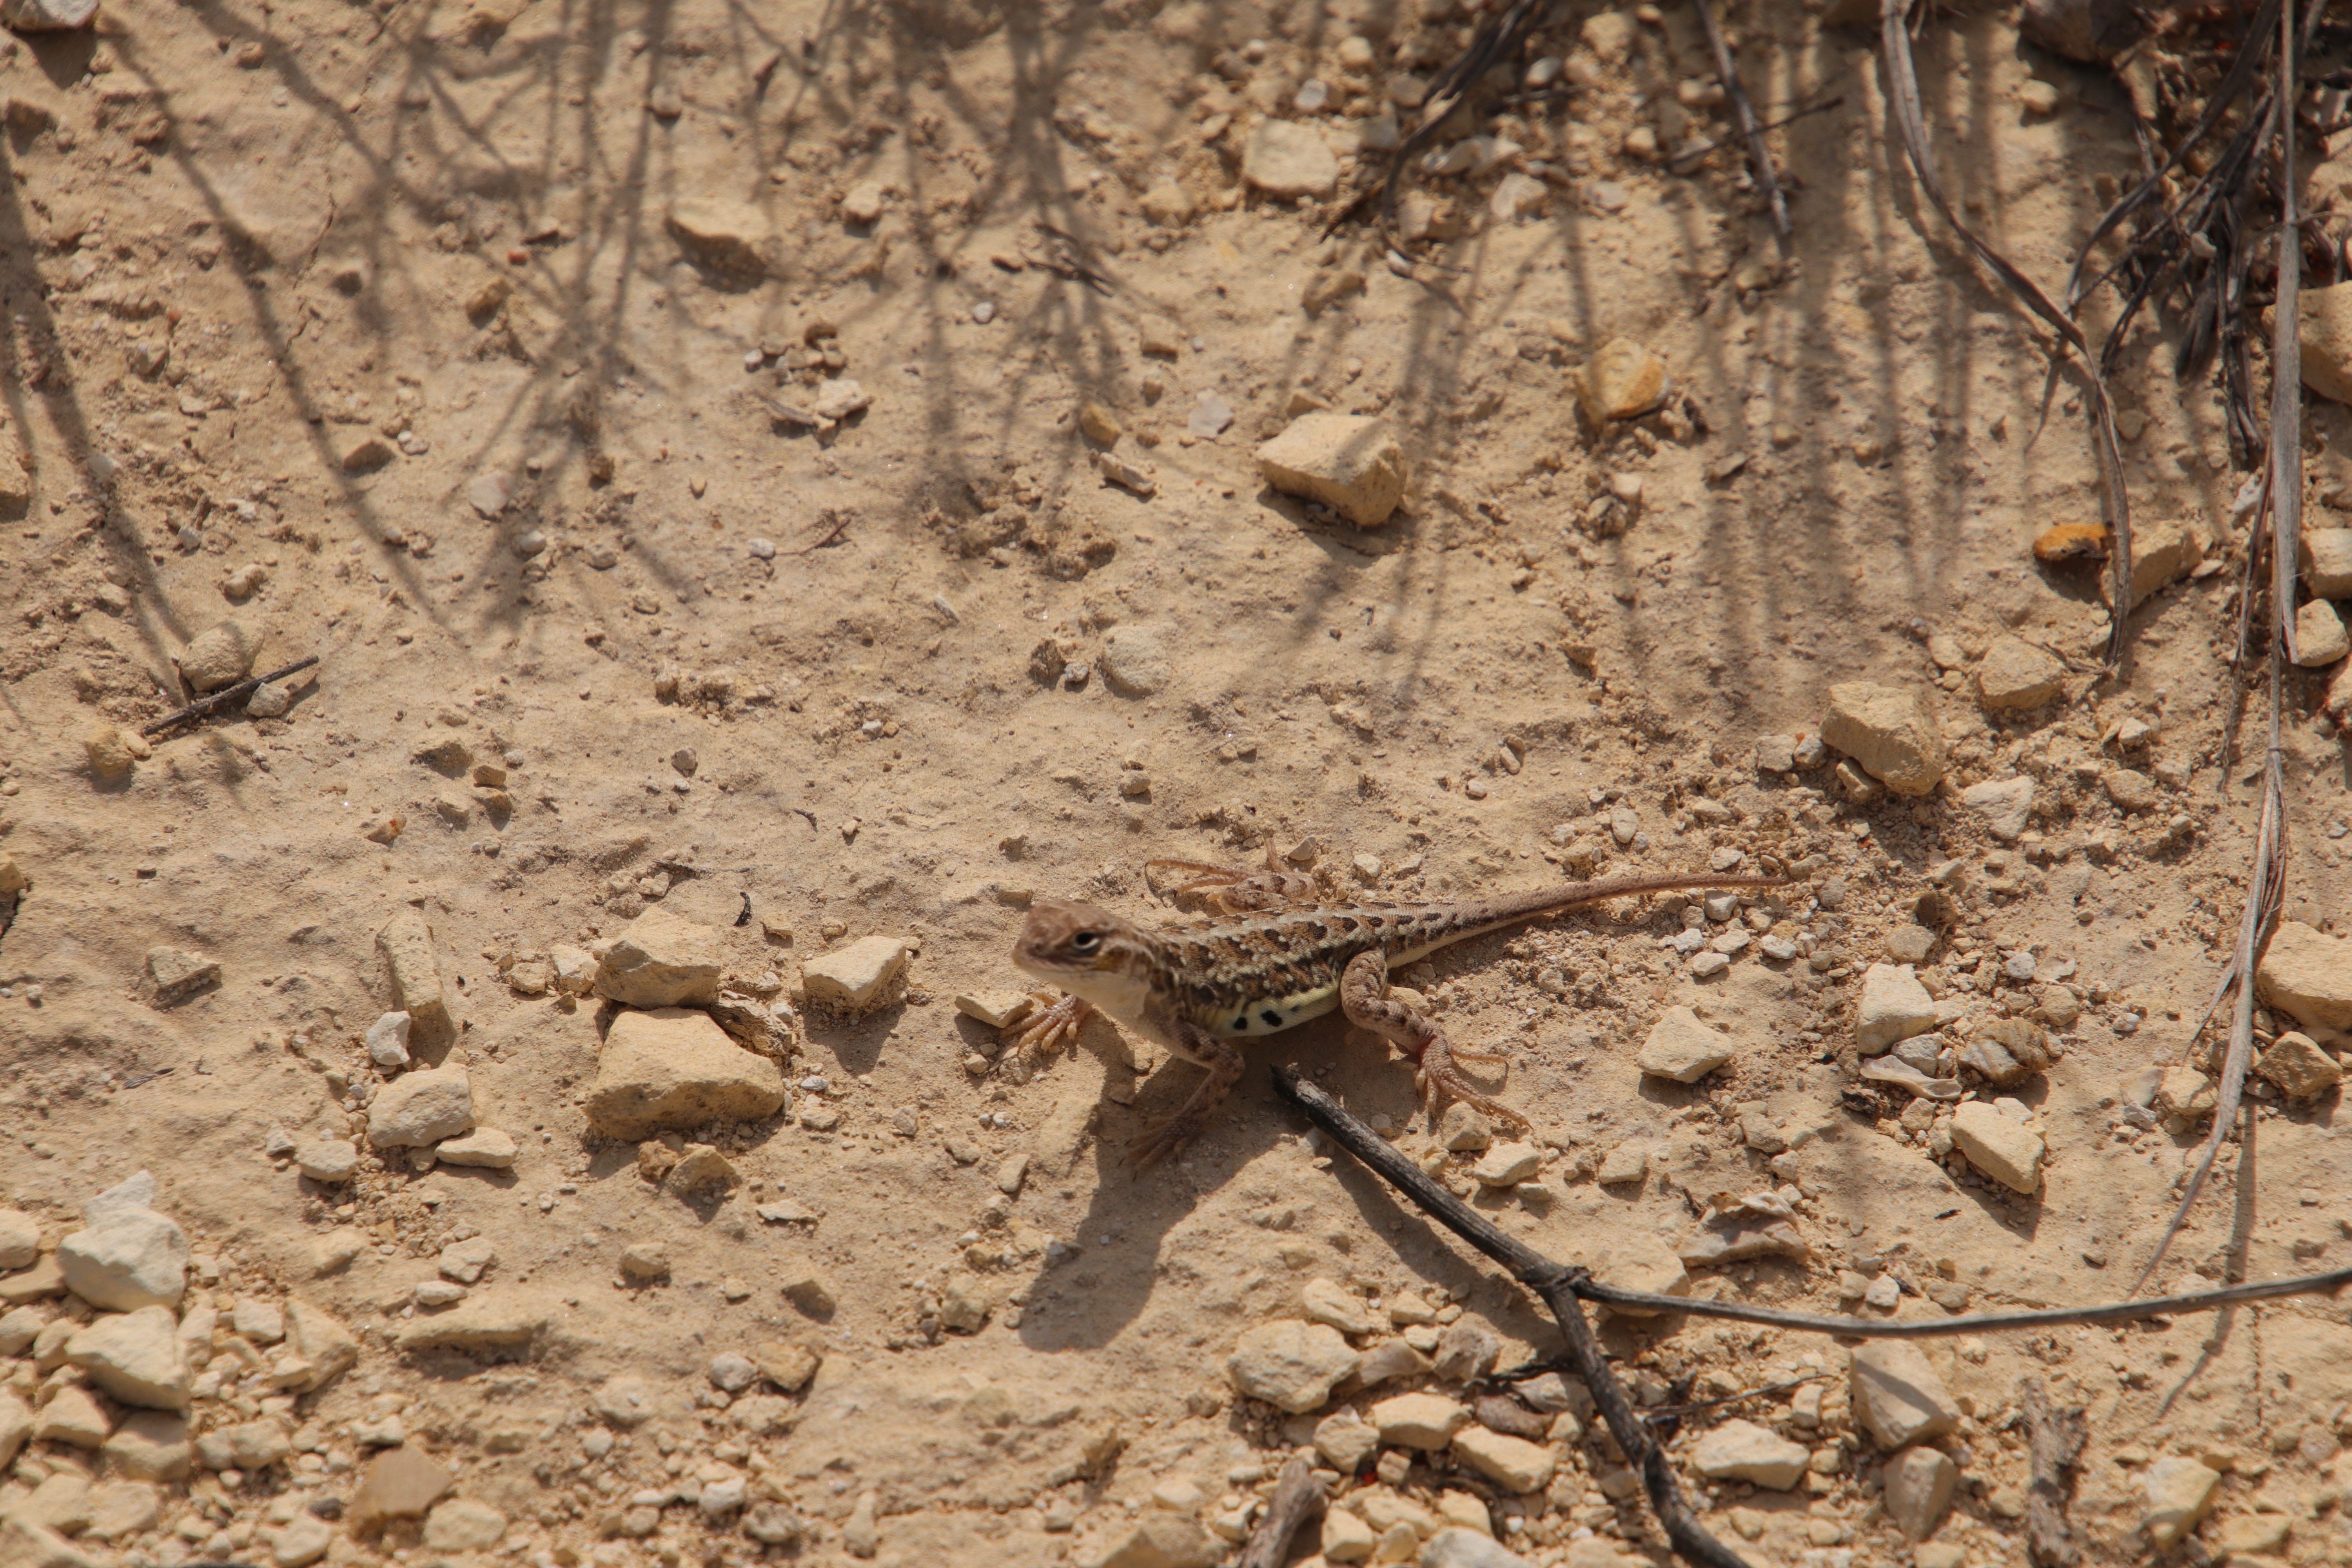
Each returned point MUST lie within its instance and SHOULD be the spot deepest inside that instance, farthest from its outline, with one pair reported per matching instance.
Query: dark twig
(1298, 1497)
(1743, 115)
(2056, 1436)
(224, 697)
(1692, 154)
(840, 521)
(1902, 95)
(1559, 1288)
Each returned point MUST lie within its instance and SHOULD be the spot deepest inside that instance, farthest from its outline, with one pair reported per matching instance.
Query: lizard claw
(1440, 1077)
(1164, 1140)
(1053, 1024)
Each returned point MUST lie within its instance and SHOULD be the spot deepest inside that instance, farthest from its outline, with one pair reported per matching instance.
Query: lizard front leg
(1225, 1064)
(1050, 1025)
(1363, 988)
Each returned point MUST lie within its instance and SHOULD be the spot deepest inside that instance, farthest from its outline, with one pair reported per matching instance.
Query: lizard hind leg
(1362, 996)
(1244, 892)
(1166, 1138)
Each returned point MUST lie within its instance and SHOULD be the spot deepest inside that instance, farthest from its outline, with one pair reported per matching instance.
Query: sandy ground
(241, 242)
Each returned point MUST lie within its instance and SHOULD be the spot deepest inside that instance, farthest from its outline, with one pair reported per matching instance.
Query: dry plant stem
(1492, 42)
(1535, 1270)
(2056, 1436)
(1298, 1497)
(2265, 880)
(1743, 114)
(1903, 98)
(224, 697)
(1559, 1288)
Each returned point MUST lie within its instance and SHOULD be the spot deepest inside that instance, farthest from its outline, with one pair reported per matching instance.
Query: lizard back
(1258, 973)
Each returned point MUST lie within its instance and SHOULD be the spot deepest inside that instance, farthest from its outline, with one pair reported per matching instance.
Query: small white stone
(387, 1040)
(1741, 1450)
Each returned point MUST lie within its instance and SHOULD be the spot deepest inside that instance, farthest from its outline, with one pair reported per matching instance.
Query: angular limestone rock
(1351, 463)
(857, 977)
(1681, 1047)
(1289, 1364)
(2308, 974)
(1889, 731)
(1285, 158)
(413, 966)
(672, 1068)
(662, 960)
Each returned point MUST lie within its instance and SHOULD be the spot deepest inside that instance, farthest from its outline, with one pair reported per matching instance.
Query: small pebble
(984, 312)
(763, 549)
(754, 359)
(1311, 97)
(816, 1085)
(732, 1372)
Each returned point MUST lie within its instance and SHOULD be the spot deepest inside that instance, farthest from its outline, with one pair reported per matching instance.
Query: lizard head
(1062, 942)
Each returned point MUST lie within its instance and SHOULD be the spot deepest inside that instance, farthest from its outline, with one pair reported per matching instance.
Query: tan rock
(1514, 1464)
(2301, 1069)
(1346, 1440)
(788, 1363)
(150, 1446)
(2319, 636)
(107, 749)
(1635, 1259)
(662, 960)
(2326, 555)
(118, 1509)
(1743, 1451)
(2008, 1051)
(1680, 1047)
(672, 1068)
(1622, 380)
(2308, 974)
(1285, 158)
(2007, 1151)
(1917, 1486)
(400, 1483)
(1289, 1364)
(1419, 1420)
(220, 656)
(2179, 1491)
(728, 233)
(2015, 676)
(15, 1427)
(857, 975)
(1352, 463)
(71, 1417)
(1889, 731)
(413, 963)
(2324, 323)
(488, 1320)
(2164, 551)
(135, 1357)
(321, 1341)
(1898, 1396)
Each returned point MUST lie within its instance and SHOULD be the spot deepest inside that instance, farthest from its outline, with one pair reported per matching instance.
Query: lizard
(1271, 959)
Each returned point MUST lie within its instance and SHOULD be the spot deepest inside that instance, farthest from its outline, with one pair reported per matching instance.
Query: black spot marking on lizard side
(1273, 1019)
(1242, 1024)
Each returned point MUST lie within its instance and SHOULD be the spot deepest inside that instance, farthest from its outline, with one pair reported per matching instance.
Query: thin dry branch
(2056, 1438)
(224, 697)
(1903, 100)
(1298, 1497)
(1743, 115)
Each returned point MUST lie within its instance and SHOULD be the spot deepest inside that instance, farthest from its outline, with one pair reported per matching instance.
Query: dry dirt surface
(705, 449)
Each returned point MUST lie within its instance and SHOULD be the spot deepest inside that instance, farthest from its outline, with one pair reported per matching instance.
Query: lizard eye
(1086, 940)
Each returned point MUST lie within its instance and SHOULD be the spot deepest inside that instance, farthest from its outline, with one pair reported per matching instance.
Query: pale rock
(788, 1363)
(1516, 196)
(1284, 158)
(1899, 1397)
(1917, 1486)
(413, 963)
(1467, 1349)
(2008, 1051)
(1634, 1260)
(2301, 1069)
(2319, 636)
(1507, 1166)
(20, 1240)
(301, 1540)
(19, 1326)
(1352, 463)
(660, 959)
(418, 1108)
(1625, 1162)
(2006, 805)
(179, 975)
(467, 1524)
(863, 201)
(575, 969)
(108, 751)
(71, 1417)
(245, 1445)
(2131, 790)
(220, 656)
(336, 1250)
(1290, 1364)
(1458, 1546)
(127, 1259)
(1419, 1420)
(731, 233)
(488, 1320)
(330, 1160)
(2016, 676)
(1345, 1538)
(1888, 730)
(2164, 551)
(484, 1146)
(1893, 1006)
(1743, 1451)
(2308, 974)
(437, 1293)
(1388, 1359)
(719, 1498)
(467, 1261)
(150, 1446)
(2004, 1150)
(387, 1041)
(270, 699)
(2324, 325)
(322, 1342)
(1513, 1464)
(2326, 555)
(1325, 1302)
(854, 977)
(1346, 1440)
(861, 1533)
(674, 1067)
(1167, 205)
(400, 1483)
(118, 1509)
(1679, 1047)
(25, 1543)
(1622, 380)
(2253, 1535)
(135, 1357)
(1465, 1128)
(1158, 1540)
(966, 1301)
(2179, 1491)
(1136, 661)
(15, 1427)
(60, 1502)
